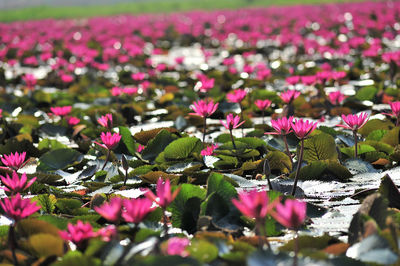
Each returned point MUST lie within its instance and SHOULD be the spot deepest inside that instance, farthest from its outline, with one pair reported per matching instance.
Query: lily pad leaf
(182, 148)
(157, 145)
(279, 161)
(58, 159)
(320, 147)
(127, 139)
(389, 191)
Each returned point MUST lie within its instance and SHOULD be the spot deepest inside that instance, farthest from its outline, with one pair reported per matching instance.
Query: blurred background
(12, 10)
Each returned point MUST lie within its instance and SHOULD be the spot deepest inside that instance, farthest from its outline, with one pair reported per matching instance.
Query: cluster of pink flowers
(301, 128)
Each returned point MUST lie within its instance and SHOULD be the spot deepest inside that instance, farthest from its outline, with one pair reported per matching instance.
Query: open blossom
(107, 233)
(14, 161)
(116, 91)
(236, 96)
(204, 108)
(254, 204)
(291, 214)
(29, 80)
(209, 150)
(293, 80)
(262, 104)
(177, 246)
(16, 184)
(110, 140)
(78, 234)
(106, 120)
(61, 111)
(308, 80)
(395, 106)
(232, 122)
(206, 84)
(72, 121)
(336, 97)
(136, 210)
(354, 122)
(17, 208)
(282, 126)
(130, 90)
(289, 96)
(164, 196)
(111, 211)
(302, 128)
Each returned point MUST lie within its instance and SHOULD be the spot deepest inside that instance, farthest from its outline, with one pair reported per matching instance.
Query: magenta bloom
(164, 195)
(29, 80)
(309, 80)
(72, 121)
(291, 214)
(130, 90)
(354, 122)
(203, 108)
(283, 126)
(209, 150)
(116, 91)
(140, 148)
(395, 106)
(138, 76)
(17, 208)
(206, 84)
(78, 234)
(289, 96)
(293, 80)
(302, 128)
(336, 97)
(254, 204)
(61, 111)
(14, 161)
(106, 120)
(177, 246)
(262, 104)
(15, 184)
(232, 122)
(111, 211)
(136, 210)
(107, 233)
(236, 96)
(110, 140)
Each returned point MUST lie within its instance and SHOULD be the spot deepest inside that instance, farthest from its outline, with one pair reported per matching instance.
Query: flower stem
(204, 130)
(165, 225)
(296, 248)
(126, 177)
(298, 168)
(241, 118)
(12, 242)
(262, 114)
(262, 236)
(355, 144)
(233, 141)
(107, 157)
(287, 148)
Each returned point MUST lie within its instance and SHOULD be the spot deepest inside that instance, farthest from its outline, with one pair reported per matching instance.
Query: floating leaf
(58, 159)
(186, 207)
(77, 258)
(389, 191)
(145, 136)
(374, 124)
(155, 146)
(127, 139)
(279, 161)
(392, 137)
(366, 93)
(182, 148)
(203, 251)
(320, 147)
(50, 144)
(45, 245)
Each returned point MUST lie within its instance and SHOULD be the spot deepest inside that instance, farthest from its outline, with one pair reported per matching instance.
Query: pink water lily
(136, 210)
(262, 104)
(177, 246)
(354, 123)
(232, 122)
(303, 128)
(16, 184)
(72, 121)
(79, 234)
(236, 96)
(395, 107)
(289, 96)
(291, 214)
(204, 108)
(106, 121)
(17, 208)
(254, 204)
(61, 111)
(336, 97)
(110, 140)
(209, 150)
(14, 161)
(282, 126)
(164, 196)
(111, 211)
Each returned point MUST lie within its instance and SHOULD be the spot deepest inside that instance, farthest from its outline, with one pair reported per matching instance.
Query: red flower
(354, 122)
(203, 108)
(283, 126)
(232, 122)
(236, 96)
(110, 140)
